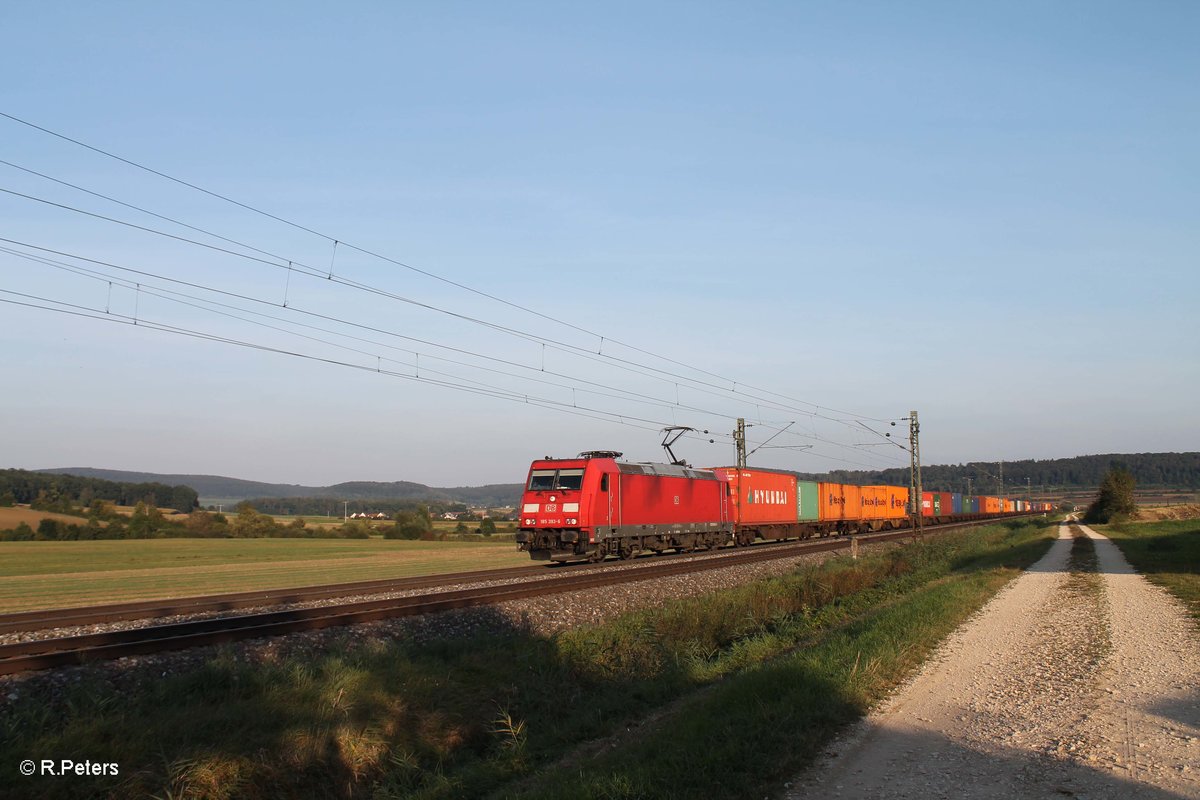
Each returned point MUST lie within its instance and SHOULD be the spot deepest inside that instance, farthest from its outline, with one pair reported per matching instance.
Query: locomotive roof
(672, 470)
(640, 468)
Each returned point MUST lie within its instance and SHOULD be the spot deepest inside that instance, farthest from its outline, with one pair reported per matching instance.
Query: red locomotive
(595, 505)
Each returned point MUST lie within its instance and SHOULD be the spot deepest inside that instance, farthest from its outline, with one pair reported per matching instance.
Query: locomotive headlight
(529, 522)
(572, 521)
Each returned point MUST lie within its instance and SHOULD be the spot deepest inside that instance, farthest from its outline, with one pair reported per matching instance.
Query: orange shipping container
(897, 507)
(840, 501)
(990, 505)
(874, 502)
(758, 497)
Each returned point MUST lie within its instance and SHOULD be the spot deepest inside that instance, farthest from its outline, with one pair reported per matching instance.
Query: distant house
(450, 515)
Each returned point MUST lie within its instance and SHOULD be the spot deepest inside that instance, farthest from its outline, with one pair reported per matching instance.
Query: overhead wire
(815, 408)
(292, 265)
(626, 394)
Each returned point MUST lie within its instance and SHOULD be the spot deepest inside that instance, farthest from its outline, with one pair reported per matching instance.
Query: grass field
(1167, 553)
(56, 574)
(12, 516)
(724, 695)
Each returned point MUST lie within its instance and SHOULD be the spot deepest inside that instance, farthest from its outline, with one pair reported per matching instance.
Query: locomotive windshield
(541, 480)
(570, 478)
(544, 480)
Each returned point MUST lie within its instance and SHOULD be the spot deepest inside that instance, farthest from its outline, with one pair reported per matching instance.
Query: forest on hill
(50, 490)
(1164, 470)
(222, 489)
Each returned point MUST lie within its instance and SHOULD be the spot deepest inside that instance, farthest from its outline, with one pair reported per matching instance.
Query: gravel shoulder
(1079, 679)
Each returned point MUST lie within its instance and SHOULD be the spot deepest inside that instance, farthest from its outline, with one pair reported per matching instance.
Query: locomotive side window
(604, 482)
(541, 480)
(570, 478)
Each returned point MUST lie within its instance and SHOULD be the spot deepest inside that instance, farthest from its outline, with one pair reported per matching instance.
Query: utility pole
(345, 510)
(739, 439)
(914, 449)
(968, 486)
(1000, 492)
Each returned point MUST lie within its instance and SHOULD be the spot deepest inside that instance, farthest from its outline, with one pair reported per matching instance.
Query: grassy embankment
(55, 574)
(1167, 553)
(726, 695)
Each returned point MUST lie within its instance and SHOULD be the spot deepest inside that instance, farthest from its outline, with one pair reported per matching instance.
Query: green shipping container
(806, 501)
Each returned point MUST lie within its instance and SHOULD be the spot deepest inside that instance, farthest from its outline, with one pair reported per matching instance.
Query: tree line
(100, 520)
(335, 507)
(52, 492)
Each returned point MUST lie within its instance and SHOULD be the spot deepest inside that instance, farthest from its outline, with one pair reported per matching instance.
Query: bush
(411, 525)
(21, 533)
(253, 525)
(354, 529)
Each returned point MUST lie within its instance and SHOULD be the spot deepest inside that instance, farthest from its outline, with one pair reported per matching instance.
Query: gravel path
(1078, 680)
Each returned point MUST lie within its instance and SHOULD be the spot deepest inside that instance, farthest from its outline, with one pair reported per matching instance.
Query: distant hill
(218, 488)
(1174, 470)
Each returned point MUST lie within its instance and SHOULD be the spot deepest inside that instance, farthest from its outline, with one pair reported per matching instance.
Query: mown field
(56, 574)
(726, 695)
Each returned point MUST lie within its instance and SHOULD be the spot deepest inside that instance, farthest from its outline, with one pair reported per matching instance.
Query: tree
(410, 525)
(145, 522)
(487, 527)
(251, 524)
(1115, 499)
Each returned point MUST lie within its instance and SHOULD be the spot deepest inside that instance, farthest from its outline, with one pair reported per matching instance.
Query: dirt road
(1080, 679)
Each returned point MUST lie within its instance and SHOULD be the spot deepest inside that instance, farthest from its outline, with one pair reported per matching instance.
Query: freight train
(596, 505)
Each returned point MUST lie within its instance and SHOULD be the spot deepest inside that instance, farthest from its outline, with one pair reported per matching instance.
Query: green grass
(1167, 553)
(732, 693)
(52, 574)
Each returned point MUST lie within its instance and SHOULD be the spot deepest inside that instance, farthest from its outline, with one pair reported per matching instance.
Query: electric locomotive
(594, 506)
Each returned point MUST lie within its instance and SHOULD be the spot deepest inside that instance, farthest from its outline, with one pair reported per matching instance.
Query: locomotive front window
(570, 478)
(541, 480)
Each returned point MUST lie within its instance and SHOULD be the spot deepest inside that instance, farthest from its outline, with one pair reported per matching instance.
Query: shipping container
(874, 502)
(945, 505)
(761, 497)
(1009, 506)
(990, 505)
(897, 507)
(957, 501)
(840, 501)
(809, 495)
(927, 504)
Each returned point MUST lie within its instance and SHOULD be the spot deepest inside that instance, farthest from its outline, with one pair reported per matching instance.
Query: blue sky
(983, 212)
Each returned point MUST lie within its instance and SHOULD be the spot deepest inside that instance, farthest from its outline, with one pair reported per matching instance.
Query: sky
(307, 243)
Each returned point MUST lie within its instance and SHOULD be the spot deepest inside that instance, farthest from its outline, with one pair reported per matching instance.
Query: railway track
(72, 650)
